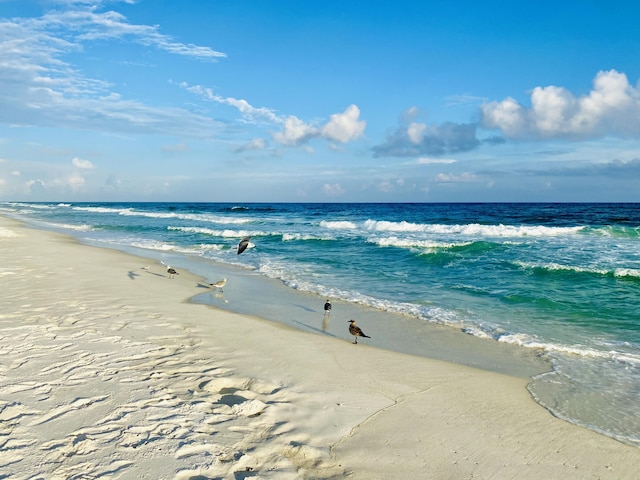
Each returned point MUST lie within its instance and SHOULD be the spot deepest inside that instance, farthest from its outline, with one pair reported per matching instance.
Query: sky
(319, 101)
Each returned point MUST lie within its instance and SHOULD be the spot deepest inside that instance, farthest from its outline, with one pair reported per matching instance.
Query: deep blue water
(563, 279)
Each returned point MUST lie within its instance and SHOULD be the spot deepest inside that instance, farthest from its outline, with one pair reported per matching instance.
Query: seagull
(219, 284)
(356, 331)
(171, 271)
(244, 244)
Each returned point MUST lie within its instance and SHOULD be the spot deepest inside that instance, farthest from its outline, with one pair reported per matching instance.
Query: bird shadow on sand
(305, 308)
(132, 275)
(156, 274)
(202, 285)
(315, 329)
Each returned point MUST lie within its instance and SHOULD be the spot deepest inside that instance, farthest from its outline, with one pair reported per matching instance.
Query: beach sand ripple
(93, 389)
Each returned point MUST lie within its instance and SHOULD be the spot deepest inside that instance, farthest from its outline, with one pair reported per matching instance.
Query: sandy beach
(107, 371)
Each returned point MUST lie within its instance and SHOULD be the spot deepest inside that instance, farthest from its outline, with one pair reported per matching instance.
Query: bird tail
(366, 336)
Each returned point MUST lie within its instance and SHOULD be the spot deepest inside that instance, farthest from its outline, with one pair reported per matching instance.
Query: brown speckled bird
(356, 331)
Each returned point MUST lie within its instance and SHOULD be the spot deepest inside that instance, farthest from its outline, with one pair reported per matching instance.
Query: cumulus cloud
(344, 127)
(417, 139)
(341, 127)
(78, 162)
(295, 132)
(612, 107)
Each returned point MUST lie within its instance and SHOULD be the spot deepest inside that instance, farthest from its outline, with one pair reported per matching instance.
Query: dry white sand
(107, 372)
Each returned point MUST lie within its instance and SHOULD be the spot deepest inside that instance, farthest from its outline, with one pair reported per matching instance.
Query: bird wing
(244, 243)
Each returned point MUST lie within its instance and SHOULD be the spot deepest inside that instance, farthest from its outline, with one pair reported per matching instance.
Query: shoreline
(110, 367)
(270, 299)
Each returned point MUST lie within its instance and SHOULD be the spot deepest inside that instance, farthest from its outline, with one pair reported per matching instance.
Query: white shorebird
(171, 271)
(219, 284)
(356, 331)
(244, 244)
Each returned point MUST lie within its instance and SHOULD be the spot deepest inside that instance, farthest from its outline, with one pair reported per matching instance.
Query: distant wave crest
(472, 229)
(556, 267)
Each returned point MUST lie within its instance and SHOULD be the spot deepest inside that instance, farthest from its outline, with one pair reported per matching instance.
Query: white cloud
(295, 132)
(612, 107)
(255, 144)
(75, 181)
(333, 189)
(78, 162)
(433, 161)
(456, 178)
(344, 127)
(387, 186)
(341, 127)
(249, 112)
(416, 131)
(92, 25)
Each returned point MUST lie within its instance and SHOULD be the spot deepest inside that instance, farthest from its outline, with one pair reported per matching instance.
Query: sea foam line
(129, 212)
(575, 350)
(472, 229)
(226, 233)
(413, 243)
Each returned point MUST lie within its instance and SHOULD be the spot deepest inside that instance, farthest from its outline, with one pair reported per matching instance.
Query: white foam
(164, 247)
(288, 237)
(627, 272)
(411, 242)
(130, 212)
(472, 229)
(338, 225)
(576, 350)
(227, 233)
(552, 266)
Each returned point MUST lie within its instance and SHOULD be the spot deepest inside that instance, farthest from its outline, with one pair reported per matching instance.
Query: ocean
(553, 281)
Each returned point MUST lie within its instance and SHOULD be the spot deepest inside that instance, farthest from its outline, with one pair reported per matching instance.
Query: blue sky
(313, 101)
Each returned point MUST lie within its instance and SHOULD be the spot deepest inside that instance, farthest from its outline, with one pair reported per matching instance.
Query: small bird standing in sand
(219, 284)
(171, 271)
(244, 244)
(356, 331)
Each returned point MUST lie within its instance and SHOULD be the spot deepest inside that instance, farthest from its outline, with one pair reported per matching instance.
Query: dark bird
(356, 331)
(244, 244)
(171, 271)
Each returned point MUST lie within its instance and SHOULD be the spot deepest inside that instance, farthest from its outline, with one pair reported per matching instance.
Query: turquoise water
(562, 279)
